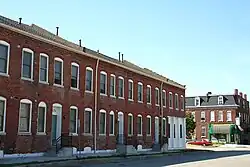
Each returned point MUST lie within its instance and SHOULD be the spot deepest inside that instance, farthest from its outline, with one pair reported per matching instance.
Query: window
(164, 98)
(182, 103)
(73, 120)
(176, 99)
(44, 68)
(193, 114)
(220, 100)
(174, 131)
(229, 116)
(112, 85)
(88, 121)
(197, 101)
(212, 116)
(27, 63)
(181, 131)
(102, 122)
(139, 125)
(148, 94)
(140, 92)
(89, 79)
(74, 75)
(111, 123)
(4, 57)
(170, 100)
(120, 87)
(164, 126)
(58, 74)
(41, 117)
(203, 131)
(130, 89)
(203, 116)
(2, 113)
(148, 125)
(25, 116)
(157, 99)
(220, 116)
(103, 83)
(130, 124)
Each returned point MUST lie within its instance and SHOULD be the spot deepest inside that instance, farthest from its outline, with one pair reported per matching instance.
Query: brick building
(53, 89)
(220, 117)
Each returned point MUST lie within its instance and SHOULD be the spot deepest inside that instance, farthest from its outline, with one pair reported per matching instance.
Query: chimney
(235, 91)
(240, 94)
(57, 30)
(122, 57)
(84, 49)
(80, 43)
(119, 56)
(245, 96)
(20, 20)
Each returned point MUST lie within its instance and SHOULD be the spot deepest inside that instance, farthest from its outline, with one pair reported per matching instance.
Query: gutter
(96, 91)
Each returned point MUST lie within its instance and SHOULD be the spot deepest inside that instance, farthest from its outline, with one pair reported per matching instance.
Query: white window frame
(62, 72)
(4, 114)
(42, 104)
(141, 84)
(212, 115)
(32, 64)
(203, 113)
(92, 73)
(112, 113)
(220, 114)
(121, 97)
(183, 103)
(176, 101)
(76, 125)
(165, 125)
(171, 103)
(105, 122)
(164, 93)
(130, 81)
(229, 120)
(150, 95)
(220, 100)
(140, 134)
(113, 76)
(47, 72)
(106, 83)
(89, 110)
(199, 101)
(8, 58)
(203, 127)
(132, 124)
(26, 101)
(157, 103)
(78, 76)
(150, 125)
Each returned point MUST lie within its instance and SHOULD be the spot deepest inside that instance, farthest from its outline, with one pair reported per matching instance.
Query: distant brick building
(220, 117)
(52, 88)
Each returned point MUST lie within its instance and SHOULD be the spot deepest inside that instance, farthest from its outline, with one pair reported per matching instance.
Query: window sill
(102, 134)
(122, 98)
(103, 94)
(87, 91)
(2, 133)
(40, 133)
(148, 135)
(203, 136)
(157, 105)
(60, 86)
(149, 104)
(27, 79)
(171, 108)
(130, 99)
(139, 135)
(164, 106)
(76, 89)
(4, 75)
(111, 134)
(177, 109)
(44, 82)
(113, 96)
(86, 134)
(182, 109)
(24, 133)
(73, 134)
(140, 101)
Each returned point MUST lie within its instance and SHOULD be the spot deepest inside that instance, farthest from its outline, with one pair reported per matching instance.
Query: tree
(190, 125)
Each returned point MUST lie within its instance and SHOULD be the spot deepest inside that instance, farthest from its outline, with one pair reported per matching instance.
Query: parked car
(201, 142)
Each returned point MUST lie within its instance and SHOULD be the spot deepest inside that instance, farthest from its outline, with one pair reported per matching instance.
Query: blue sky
(204, 44)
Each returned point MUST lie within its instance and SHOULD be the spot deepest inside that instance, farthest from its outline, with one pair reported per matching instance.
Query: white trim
(212, 120)
(32, 64)
(74, 133)
(140, 134)
(47, 71)
(132, 124)
(25, 101)
(165, 97)
(89, 110)
(42, 104)
(148, 116)
(150, 95)
(78, 76)
(176, 100)
(112, 75)
(203, 113)
(220, 113)
(59, 60)
(220, 99)
(229, 120)
(165, 125)
(171, 104)
(183, 103)
(106, 82)
(89, 69)
(112, 113)
(140, 84)
(157, 103)
(8, 57)
(131, 81)
(57, 105)
(105, 123)
(199, 101)
(4, 114)
(121, 97)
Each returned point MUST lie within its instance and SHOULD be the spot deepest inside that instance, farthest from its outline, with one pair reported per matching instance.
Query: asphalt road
(194, 159)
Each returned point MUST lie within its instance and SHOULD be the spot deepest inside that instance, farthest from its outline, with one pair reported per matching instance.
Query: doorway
(120, 128)
(156, 130)
(56, 123)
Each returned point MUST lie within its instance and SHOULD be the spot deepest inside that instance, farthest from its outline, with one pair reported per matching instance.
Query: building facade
(220, 118)
(52, 88)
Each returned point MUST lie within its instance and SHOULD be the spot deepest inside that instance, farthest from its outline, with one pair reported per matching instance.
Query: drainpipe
(161, 105)
(96, 91)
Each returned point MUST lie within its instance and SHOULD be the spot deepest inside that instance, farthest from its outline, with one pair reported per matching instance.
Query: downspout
(161, 105)
(96, 91)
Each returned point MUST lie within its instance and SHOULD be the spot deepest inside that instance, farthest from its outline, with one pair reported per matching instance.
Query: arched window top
(89, 68)
(164, 90)
(58, 59)
(57, 105)
(149, 86)
(42, 104)
(120, 77)
(74, 64)
(44, 54)
(103, 72)
(130, 80)
(102, 111)
(156, 88)
(74, 107)
(88, 109)
(28, 50)
(111, 113)
(170, 93)
(164, 118)
(130, 114)
(2, 98)
(156, 117)
(140, 83)
(139, 115)
(26, 101)
(148, 116)
(4, 43)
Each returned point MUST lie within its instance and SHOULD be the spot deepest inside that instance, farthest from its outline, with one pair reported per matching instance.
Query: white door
(120, 127)
(156, 130)
(56, 122)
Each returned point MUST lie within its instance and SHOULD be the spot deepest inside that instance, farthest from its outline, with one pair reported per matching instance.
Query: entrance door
(156, 130)
(53, 129)
(120, 128)
(56, 125)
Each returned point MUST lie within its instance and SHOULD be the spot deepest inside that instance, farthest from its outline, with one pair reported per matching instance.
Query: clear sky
(204, 44)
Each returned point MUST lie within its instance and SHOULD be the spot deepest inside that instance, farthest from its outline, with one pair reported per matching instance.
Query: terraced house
(54, 92)
(221, 118)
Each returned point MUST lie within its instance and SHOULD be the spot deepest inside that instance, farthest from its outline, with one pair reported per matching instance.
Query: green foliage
(190, 124)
